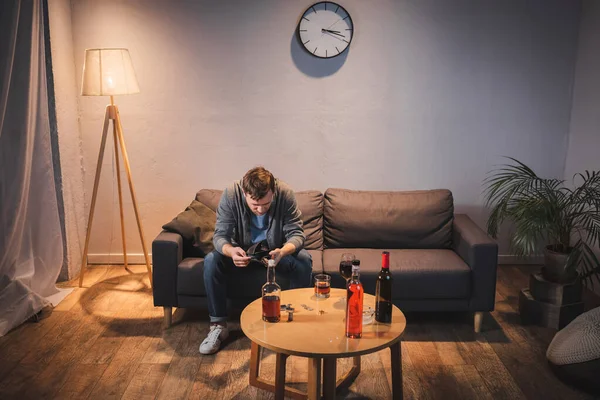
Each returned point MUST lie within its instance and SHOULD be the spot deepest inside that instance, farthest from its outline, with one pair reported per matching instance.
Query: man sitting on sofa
(258, 209)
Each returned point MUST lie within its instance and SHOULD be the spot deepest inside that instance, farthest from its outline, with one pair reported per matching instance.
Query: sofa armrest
(480, 252)
(166, 255)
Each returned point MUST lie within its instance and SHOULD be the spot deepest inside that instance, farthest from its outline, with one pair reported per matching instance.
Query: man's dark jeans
(298, 266)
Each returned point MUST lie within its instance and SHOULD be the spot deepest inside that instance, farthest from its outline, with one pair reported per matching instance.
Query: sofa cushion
(196, 225)
(310, 203)
(210, 198)
(393, 220)
(418, 274)
(247, 281)
(317, 261)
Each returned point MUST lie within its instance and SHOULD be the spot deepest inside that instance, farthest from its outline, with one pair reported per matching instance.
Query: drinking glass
(346, 266)
(322, 286)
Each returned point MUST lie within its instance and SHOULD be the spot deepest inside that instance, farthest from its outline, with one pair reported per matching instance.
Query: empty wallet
(258, 251)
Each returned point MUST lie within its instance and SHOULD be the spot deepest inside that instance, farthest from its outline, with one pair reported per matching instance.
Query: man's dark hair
(257, 182)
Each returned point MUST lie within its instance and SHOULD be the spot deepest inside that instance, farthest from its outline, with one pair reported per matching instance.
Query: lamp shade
(108, 72)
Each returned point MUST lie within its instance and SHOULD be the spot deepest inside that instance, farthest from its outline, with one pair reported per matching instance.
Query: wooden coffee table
(318, 334)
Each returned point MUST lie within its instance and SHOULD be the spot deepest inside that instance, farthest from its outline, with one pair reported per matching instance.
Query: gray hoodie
(233, 219)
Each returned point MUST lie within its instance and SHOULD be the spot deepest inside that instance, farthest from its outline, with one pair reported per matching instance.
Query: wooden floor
(105, 341)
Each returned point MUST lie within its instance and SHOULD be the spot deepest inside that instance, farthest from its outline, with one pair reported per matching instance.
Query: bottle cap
(356, 262)
(271, 263)
(385, 259)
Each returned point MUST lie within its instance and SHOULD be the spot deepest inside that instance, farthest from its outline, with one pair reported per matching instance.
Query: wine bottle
(383, 291)
(354, 303)
(271, 296)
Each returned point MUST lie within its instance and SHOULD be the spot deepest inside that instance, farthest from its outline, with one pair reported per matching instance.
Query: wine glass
(346, 266)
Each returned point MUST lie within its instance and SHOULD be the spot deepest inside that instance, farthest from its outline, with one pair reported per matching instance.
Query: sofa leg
(478, 319)
(168, 316)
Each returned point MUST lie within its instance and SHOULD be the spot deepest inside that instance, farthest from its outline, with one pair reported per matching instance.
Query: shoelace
(213, 335)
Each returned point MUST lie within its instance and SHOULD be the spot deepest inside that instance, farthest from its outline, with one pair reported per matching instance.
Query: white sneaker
(213, 340)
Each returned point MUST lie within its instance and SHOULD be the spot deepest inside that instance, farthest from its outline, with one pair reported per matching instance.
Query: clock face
(325, 29)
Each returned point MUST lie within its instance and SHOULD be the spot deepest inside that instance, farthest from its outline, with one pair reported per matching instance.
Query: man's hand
(238, 255)
(276, 255)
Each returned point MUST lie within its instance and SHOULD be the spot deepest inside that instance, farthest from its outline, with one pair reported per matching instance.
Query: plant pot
(555, 263)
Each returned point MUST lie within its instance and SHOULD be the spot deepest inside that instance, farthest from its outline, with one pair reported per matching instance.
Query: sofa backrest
(393, 220)
(310, 203)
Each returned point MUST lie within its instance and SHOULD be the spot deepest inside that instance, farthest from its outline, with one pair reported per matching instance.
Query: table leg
(329, 370)
(396, 359)
(280, 360)
(314, 378)
(346, 380)
(256, 381)
(255, 354)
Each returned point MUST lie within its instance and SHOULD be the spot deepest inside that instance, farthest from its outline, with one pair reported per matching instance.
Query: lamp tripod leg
(120, 194)
(94, 196)
(133, 198)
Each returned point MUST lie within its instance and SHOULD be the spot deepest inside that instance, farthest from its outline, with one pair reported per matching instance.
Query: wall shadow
(313, 66)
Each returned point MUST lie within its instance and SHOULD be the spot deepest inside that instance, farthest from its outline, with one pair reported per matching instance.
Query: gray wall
(430, 95)
(584, 138)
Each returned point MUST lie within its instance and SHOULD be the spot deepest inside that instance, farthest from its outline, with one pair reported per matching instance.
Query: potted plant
(566, 221)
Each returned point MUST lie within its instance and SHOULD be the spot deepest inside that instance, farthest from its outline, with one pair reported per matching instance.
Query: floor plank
(121, 370)
(146, 381)
(80, 381)
(477, 351)
(183, 368)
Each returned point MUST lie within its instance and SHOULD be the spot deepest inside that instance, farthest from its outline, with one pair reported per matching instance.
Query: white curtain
(31, 243)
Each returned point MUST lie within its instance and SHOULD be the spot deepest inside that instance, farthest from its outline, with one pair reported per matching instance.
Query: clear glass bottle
(271, 296)
(383, 291)
(354, 303)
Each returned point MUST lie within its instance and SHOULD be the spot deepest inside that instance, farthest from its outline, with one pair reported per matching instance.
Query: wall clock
(325, 29)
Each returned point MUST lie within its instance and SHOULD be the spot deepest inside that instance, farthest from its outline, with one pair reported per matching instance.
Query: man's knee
(304, 260)
(212, 262)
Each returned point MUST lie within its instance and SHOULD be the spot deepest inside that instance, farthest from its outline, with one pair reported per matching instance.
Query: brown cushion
(310, 203)
(209, 197)
(392, 220)
(196, 225)
(417, 274)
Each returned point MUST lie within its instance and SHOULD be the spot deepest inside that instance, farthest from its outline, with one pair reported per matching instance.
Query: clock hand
(333, 32)
(329, 30)
(341, 19)
(339, 37)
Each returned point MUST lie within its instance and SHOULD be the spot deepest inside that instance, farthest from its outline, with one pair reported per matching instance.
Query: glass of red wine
(346, 266)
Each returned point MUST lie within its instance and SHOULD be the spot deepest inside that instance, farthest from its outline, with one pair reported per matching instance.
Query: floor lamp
(109, 72)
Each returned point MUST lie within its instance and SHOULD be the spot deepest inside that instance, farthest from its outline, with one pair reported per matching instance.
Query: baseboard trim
(512, 259)
(138, 258)
(104, 258)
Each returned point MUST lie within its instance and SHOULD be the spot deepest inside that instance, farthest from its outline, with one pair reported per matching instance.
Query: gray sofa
(440, 261)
